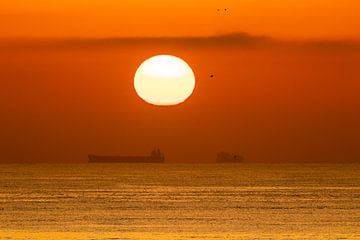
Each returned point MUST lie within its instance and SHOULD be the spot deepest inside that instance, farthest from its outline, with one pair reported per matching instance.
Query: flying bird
(225, 9)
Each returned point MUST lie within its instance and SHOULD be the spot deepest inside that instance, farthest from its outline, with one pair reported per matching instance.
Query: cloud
(227, 40)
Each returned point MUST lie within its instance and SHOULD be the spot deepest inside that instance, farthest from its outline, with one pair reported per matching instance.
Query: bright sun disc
(164, 80)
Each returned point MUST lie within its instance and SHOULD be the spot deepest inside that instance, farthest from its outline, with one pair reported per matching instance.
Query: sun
(164, 80)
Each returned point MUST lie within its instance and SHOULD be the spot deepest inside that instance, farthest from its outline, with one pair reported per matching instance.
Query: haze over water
(174, 201)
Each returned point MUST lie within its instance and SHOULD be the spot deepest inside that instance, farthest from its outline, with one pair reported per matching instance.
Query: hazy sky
(270, 101)
(114, 18)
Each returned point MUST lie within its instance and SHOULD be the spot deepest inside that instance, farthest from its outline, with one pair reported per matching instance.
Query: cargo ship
(156, 156)
(225, 157)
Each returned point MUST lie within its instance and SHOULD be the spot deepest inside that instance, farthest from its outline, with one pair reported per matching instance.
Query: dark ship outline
(156, 156)
(226, 157)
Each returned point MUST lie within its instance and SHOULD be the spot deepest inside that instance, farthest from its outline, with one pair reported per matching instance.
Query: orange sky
(270, 101)
(113, 18)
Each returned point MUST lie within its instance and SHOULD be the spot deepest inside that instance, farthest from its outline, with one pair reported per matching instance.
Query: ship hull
(225, 157)
(124, 159)
(230, 161)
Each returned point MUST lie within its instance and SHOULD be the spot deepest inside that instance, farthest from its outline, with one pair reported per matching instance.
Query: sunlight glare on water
(173, 201)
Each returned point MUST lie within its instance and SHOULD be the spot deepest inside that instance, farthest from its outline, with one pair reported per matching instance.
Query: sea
(179, 201)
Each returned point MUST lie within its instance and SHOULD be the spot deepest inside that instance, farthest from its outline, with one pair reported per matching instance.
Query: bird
(212, 75)
(225, 9)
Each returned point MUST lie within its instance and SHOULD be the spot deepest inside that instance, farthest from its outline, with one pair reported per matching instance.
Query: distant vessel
(225, 157)
(155, 157)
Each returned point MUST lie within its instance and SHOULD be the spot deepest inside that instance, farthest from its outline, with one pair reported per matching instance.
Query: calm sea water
(170, 201)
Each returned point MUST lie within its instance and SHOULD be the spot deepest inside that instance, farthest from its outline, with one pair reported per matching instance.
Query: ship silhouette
(225, 157)
(156, 156)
